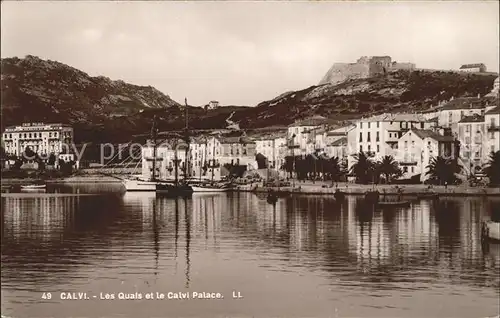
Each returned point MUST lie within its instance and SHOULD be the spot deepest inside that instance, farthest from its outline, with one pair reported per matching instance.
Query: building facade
(379, 135)
(417, 147)
(492, 121)
(473, 68)
(41, 138)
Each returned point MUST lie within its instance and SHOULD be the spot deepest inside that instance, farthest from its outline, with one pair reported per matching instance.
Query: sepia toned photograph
(291, 159)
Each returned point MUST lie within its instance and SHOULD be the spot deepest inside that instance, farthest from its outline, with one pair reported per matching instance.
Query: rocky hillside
(42, 90)
(401, 91)
(113, 111)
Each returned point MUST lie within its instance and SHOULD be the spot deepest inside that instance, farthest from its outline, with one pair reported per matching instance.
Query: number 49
(46, 296)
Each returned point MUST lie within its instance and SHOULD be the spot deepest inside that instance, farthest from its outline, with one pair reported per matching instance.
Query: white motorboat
(34, 187)
(204, 186)
(491, 230)
(139, 185)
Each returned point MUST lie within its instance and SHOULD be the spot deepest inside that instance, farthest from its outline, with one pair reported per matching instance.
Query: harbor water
(95, 251)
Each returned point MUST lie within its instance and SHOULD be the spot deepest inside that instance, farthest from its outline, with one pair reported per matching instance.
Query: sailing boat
(140, 184)
(204, 185)
(179, 188)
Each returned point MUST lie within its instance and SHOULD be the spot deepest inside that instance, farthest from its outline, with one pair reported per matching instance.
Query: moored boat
(201, 186)
(33, 187)
(272, 198)
(339, 195)
(490, 230)
(394, 203)
(139, 185)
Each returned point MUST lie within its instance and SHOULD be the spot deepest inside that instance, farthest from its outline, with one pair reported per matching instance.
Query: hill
(103, 110)
(399, 91)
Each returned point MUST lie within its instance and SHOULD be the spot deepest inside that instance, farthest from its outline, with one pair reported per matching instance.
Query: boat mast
(213, 160)
(153, 137)
(186, 139)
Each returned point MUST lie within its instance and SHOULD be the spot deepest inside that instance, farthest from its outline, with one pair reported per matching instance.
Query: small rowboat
(394, 203)
(34, 187)
(339, 195)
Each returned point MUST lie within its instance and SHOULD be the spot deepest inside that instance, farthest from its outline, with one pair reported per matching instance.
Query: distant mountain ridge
(34, 89)
(103, 110)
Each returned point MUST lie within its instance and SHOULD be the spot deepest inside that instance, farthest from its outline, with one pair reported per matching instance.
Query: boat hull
(198, 189)
(491, 230)
(139, 185)
(33, 187)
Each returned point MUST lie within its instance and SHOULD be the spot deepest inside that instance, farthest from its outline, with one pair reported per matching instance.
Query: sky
(243, 53)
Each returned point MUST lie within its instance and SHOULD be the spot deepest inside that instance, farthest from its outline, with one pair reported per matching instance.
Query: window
(361, 125)
(412, 169)
(492, 122)
(361, 148)
(369, 148)
(406, 144)
(405, 169)
(368, 137)
(378, 124)
(378, 137)
(421, 125)
(413, 144)
(378, 148)
(467, 128)
(360, 137)
(492, 135)
(369, 125)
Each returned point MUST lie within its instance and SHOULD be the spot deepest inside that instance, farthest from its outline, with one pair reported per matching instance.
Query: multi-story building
(167, 153)
(456, 109)
(380, 134)
(471, 135)
(238, 151)
(41, 138)
(299, 133)
(417, 147)
(273, 148)
(492, 121)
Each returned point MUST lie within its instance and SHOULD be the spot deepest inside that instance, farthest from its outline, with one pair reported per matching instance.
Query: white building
(380, 134)
(299, 133)
(274, 148)
(43, 139)
(492, 121)
(213, 104)
(417, 147)
(473, 68)
(472, 137)
(455, 110)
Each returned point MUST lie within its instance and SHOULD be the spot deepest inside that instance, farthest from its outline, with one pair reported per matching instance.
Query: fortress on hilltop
(365, 67)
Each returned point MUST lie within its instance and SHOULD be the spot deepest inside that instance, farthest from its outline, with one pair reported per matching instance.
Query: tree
(333, 169)
(52, 159)
(29, 154)
(261, 161)
(492, 170)
(364, 167)
(389, 168)
(442, 171)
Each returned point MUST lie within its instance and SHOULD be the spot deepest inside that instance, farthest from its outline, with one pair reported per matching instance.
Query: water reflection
(55, 242)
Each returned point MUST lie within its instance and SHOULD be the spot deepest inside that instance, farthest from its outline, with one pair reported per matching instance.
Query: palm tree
(389, 168)
(492, 170)
(442, 171)
(333, 168)
(364, 167)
